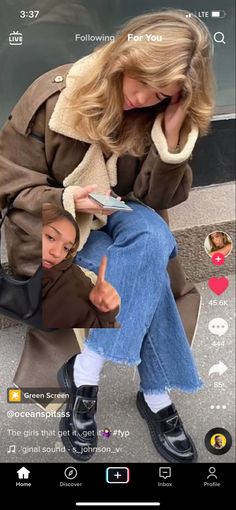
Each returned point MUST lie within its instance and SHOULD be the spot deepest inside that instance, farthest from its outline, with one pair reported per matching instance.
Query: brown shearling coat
(34, 161)
(65, 285)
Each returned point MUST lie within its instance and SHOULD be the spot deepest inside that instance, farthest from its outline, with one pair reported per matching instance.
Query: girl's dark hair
(52, 212)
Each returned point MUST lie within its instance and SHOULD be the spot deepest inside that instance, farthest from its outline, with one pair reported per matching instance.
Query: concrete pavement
(35, 439)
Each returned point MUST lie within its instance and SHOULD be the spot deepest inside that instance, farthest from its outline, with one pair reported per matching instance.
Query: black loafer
(78, 428)
(167, 432)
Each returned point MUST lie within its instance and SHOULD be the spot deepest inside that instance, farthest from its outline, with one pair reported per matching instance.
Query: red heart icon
(218, 285)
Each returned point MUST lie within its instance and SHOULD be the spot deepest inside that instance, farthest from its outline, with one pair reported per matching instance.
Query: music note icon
(12, 449)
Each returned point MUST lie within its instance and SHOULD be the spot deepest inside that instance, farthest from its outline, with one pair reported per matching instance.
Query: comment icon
(218, 326)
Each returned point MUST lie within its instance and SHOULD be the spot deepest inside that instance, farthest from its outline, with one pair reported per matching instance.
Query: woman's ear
(175, 98)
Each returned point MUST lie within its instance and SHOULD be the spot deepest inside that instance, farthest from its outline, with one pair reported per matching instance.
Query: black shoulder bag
(21, 300)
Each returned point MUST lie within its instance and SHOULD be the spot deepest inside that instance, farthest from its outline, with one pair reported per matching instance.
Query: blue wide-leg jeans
(138, 245)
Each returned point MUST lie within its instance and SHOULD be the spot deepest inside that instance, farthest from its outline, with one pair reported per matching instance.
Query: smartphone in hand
(108, 202)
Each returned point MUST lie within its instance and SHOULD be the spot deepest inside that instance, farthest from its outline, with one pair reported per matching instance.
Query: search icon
(219, 37)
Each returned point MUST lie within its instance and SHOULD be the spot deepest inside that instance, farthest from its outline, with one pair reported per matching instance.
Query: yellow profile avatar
(218, 441)
(14, 395)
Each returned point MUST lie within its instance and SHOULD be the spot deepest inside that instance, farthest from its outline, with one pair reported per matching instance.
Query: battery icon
(218, 14)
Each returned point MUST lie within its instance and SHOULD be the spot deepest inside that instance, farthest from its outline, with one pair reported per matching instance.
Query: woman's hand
(103, 295)
(174, 117)
(84, 204)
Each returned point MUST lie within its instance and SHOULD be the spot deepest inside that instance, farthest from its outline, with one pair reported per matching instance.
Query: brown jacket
(66, 303)
(34, 161)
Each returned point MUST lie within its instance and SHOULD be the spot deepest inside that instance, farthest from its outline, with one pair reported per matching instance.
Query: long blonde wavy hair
(183, 57)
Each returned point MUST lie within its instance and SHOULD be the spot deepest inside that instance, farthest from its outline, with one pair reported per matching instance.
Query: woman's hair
(51, 212)
(225, 239)
(183, 57)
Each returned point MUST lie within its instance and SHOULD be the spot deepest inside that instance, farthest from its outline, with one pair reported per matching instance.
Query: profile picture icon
(218, 242)
(218, 441)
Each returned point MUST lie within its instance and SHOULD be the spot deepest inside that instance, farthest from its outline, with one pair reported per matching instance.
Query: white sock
(87, 367)
(158, 401)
